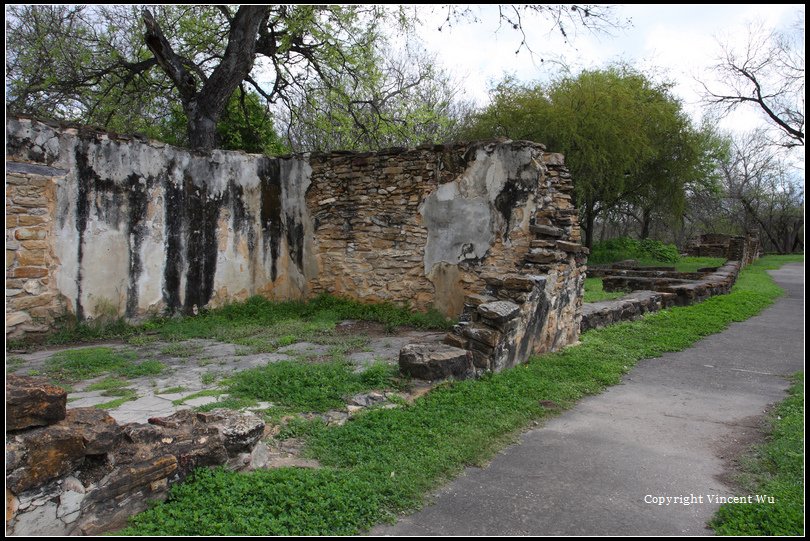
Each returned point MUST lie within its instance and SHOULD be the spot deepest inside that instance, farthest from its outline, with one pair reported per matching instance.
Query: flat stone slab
(434, 361)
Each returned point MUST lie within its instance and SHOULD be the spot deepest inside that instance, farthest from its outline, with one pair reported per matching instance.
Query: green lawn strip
(594, 291)
(692, 264)
(776, 470)
(384, 461)
(308, 387)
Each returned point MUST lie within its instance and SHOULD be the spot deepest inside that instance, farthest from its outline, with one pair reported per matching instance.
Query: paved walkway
(662, 432)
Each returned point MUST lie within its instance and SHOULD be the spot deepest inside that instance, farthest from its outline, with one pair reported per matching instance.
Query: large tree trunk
(204, 106)
(588, 226)
(202, 131)
(646, 219)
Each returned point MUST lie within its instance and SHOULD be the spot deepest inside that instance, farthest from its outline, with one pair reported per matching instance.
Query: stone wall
(32, 299)
(654, 290)
(136, 227)
(740, 248)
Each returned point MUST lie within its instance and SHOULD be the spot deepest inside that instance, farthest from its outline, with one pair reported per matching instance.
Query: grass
(112, 404)
(172, 390)
(86, 363)
(308, 387)
(258, 324)
(594, 291)
(13, 364)
(384, 461)
(776, 470)
(692, 264)
(183, 350)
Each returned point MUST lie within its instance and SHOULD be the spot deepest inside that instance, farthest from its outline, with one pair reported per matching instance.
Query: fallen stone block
(434, 361)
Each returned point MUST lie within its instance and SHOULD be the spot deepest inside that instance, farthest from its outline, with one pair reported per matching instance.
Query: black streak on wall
(136, 227)
(514, 194)
(269, 174)
(175, 210)
(201, 215)
(85, 178)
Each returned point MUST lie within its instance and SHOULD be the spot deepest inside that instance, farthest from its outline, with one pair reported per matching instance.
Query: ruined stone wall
(422, 225)
(136, 227)
(740, 248)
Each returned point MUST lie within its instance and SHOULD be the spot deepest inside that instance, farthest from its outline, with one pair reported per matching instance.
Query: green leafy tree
(626, 139)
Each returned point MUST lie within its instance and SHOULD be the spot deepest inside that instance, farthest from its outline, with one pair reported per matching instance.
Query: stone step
(482, 333)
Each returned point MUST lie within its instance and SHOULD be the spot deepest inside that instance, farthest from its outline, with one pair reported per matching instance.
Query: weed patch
(595, 292)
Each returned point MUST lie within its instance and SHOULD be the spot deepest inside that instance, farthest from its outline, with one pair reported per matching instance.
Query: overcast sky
(680, 41)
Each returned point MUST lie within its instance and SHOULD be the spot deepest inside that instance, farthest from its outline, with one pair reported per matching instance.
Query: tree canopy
(626, 139)
(128, 67)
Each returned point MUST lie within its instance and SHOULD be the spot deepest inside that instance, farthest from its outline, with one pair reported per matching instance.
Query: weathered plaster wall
(139, 227)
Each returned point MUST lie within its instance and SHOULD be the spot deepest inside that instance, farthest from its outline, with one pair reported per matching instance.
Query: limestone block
(546, 230)
(32, 402)
(484, 335)
(12, 319)
(240, 431)
(48, 453)
(434, 361)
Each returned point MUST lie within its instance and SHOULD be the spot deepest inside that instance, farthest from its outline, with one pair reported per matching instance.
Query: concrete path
(662, 432)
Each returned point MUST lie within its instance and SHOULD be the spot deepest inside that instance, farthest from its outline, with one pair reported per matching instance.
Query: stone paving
(198, 365)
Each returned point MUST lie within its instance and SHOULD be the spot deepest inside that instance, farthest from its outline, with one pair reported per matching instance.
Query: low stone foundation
(77, 471)
(653, 290)
(685, 290)
(596, 315)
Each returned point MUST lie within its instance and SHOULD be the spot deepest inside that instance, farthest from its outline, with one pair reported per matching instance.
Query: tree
(404, 101)
(627, 142)
(83, 62)
(768, 73)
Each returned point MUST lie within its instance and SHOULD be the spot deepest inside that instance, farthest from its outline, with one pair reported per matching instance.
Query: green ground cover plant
(384, 461)
(775, 469)
(595, 292)
(86, 363)
(257, 323)
(306, 387)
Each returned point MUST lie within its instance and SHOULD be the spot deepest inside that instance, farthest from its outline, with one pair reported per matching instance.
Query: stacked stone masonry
(736, 248)
(32, 299)
(135, 228)
(533, 309)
